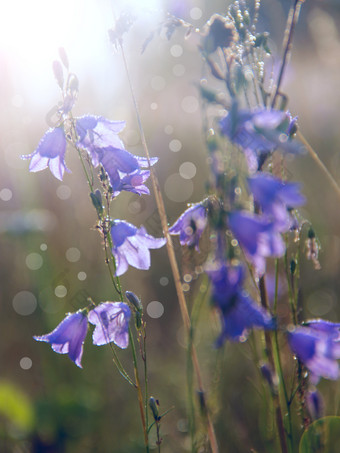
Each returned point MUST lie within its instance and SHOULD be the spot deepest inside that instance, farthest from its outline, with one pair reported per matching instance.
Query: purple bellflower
(69, 336)
(259, 133)
(125, 170)
(276, 198)
(131, 246)
(99, 137)
(190, 225)
(258, 238)
(317, 345)
(112, 323)
(239, 313)
(50, 153)
(96, 132)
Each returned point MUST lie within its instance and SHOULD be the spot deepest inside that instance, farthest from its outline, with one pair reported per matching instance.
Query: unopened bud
(218, 32)
(313, 249)
(270, 376)
(58, 73)
(292, 267)
(96, 199)
(315, 404)
(63, 57)
(153, 403)
(134, 300)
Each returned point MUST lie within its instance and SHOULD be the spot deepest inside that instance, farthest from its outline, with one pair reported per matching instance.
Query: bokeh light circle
(26, 363)
(34, 261)
(24, 303)
(155, 309)
(187, 170)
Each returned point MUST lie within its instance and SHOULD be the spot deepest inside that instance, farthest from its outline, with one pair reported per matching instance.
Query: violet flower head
(226, 283)
(276, 198)
(112, 323)
(125, 170)
(258, 238)
(131, 246)
(190, 225)
(68, 337)
(318, 347)
(239, 313)
(259, 133)
(96, 132)
(242, 317)
(50, 153)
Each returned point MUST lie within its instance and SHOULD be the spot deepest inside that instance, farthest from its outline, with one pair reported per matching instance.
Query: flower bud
(63, 57)
(96, 199)
(219, 32)
(134, 300)
(58, 73)
(271, 377)
(153, 403)
(315, 404)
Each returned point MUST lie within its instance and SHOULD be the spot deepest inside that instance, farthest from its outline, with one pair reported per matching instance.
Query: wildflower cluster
(120, 171)
(251, 216)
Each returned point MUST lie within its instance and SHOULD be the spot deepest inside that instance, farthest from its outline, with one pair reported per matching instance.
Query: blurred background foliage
(51, 256)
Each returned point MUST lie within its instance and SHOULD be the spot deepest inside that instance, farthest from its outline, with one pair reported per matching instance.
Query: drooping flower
(50, 153)
(258, 238)
(125, 170)
(259, 133)
(239, 313)
(112, 323)
(99, 137)
(276, 198)
(317, 345)
(96, 132)
(131, 246)
(190, 225)
(69, 336)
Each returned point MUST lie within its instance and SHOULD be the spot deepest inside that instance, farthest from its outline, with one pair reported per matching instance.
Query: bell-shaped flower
(317, 345)
(96, 132)
(239, 313)
(69, 336)
(258, 133)
(112, 323)
(125, 171)
(258, 238)
(131, 246)
(50, 153)
(226, 283)
(244, 315)
(276, 198)
(190, 225)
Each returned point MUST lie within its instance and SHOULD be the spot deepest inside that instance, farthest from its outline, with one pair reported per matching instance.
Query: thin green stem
(109, 258)
(270, 355)
(139, 391)
(146, 391)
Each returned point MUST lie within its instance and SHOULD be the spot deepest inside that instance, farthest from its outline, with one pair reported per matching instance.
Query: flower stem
(171, 255)
(287, 44)
(270, 354)
(318, 161)
(108, 244)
